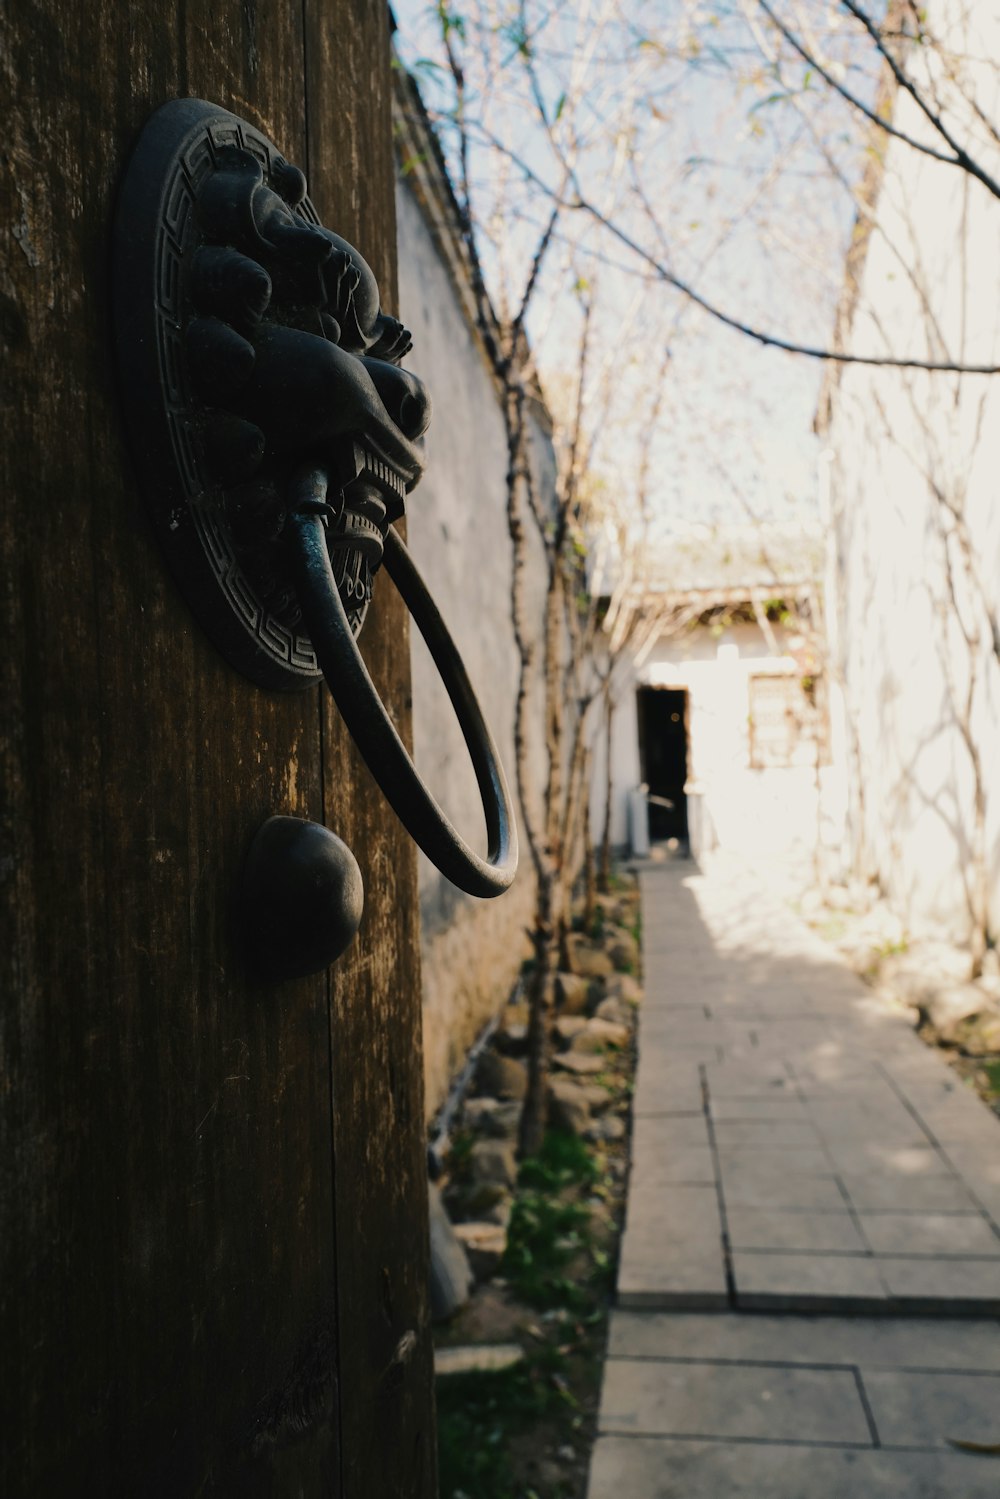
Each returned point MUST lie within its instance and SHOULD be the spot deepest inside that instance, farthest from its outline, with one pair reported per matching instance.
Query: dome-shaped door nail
(303, 898)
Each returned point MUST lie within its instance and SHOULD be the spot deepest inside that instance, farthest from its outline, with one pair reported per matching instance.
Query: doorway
(663, 759)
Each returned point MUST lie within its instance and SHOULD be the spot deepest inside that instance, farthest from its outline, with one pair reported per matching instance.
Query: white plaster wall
(894, 439)
(457, 533)
(730, 805)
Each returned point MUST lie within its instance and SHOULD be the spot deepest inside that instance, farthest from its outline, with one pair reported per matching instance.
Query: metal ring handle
(369, 724)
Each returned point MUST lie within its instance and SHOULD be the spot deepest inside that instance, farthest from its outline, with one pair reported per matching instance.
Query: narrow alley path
(810, 1271)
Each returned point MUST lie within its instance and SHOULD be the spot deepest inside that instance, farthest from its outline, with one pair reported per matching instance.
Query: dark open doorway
(663, 759)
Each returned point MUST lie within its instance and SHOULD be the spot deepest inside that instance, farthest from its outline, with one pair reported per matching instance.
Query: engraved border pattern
(174, 237)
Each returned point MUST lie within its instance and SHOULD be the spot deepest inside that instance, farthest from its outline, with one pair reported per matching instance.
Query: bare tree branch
(812, 61)
(768, 340)
(961, 157)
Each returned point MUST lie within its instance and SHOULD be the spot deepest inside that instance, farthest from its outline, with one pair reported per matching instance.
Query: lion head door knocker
(277, 437)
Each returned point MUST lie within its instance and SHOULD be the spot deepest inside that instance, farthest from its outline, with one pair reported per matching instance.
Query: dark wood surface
(212, 1190)
(375, 1014)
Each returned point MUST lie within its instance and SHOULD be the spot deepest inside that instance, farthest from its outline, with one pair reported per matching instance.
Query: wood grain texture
(387, 1415)
(173, 1254)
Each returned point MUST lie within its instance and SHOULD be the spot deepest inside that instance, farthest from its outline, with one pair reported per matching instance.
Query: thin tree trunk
(604, 867)
(534, 1114)
(819, 862)
(589, 873)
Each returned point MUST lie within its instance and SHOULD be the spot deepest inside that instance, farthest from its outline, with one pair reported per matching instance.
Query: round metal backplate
(249, 613)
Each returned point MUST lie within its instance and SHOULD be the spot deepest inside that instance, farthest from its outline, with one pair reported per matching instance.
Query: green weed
(478, 1414)
(992, 1070)
(563, 1160)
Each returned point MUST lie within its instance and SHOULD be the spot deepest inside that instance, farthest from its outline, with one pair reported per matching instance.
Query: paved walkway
(814, 1202)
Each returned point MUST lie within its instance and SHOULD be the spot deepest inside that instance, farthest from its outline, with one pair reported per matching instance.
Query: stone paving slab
(797, 1152)
(810, 1233)
(807, 1281)
(917, 1409)
(772, 1108)
(767, 1069)
(781, 1193)
(733, 1401)
(964, 1287)
(931, 1195)
(911, 1343)
(660, 1468)
(695, 1274)
(753, 1134)
(708, 1406)
(932, 1234)
(688, 1165)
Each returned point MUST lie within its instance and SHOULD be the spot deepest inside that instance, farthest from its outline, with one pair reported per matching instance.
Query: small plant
(497, 1429)
(992, 1070)
(544, 1238)
(480, 1413)
(550, 1228)
(462, 1142)
(563, 1160)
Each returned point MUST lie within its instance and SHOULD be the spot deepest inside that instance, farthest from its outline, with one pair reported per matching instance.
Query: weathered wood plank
(170, 1280)
(387, 1418)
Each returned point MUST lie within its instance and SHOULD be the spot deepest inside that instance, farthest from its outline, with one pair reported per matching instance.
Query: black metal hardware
(277, 437)
(303, 898)
(370, 725)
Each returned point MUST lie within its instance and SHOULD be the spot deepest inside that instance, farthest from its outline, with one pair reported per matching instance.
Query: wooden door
(212, 1190)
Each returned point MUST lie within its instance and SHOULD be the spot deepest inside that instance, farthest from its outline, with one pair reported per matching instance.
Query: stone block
(512, 1039)
(948, 1007)
(980, 1036)
(586, 960)
(493, 1162)
(597, 1035)
(500, 1211)
(477, 1358)
(572, 993)
(599, 1098)
(568, 1106)
(502, 1122)
(476, 1112)
(608, 1130)
(501, 1077)
(614, 1010)
(582, 1064)
(451, 1274)
(484, 1244)
(475, 1199)
(623, 951)
(624, 988)
(568, 1027)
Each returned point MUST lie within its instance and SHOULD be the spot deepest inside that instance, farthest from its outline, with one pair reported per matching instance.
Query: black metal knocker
(277, 437)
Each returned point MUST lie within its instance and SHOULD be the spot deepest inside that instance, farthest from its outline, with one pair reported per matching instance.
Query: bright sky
(735, 162)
